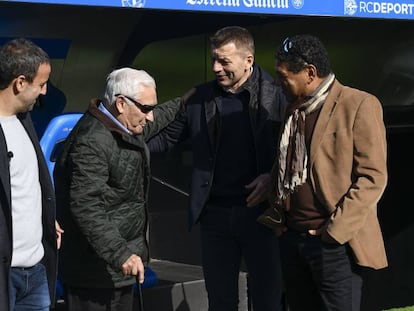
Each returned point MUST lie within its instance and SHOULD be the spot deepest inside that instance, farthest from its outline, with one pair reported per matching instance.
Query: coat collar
(4, 166)
(213, 107)
(325, 115)
(114, 128)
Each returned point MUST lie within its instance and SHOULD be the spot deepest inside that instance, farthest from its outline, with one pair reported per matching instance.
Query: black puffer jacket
(101, 184)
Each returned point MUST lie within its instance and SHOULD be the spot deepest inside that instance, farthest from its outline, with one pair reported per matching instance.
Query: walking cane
(140, 300)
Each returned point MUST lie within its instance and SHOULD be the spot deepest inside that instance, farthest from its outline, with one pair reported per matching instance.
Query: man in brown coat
(328, 177)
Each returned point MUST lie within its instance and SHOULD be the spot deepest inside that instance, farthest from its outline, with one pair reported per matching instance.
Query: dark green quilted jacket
(101, 182)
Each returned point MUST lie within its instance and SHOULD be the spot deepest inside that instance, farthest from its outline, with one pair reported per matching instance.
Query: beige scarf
(294, 174)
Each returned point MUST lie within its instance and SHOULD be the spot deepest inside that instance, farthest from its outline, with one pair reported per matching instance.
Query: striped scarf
(293, 172)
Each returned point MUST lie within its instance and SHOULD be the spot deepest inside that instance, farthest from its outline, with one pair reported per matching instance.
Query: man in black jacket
(28, 248)
(233, 125)
(101, 180)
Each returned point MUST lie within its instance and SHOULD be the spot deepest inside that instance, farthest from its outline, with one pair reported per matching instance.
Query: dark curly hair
(298, 51)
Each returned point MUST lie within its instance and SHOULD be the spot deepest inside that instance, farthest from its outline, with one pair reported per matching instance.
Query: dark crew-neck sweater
(235, 164)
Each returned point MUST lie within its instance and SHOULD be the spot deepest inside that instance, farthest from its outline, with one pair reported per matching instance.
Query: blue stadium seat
(54, 136)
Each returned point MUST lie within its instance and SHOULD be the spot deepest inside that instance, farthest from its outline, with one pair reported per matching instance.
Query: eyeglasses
(288, 47)
(144, 108)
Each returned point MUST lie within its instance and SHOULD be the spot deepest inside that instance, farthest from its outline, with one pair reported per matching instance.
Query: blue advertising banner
(391, 9)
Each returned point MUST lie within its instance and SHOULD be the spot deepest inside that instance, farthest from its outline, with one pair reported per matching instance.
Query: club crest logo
(350, 7)
(134, 3)
(298, 4)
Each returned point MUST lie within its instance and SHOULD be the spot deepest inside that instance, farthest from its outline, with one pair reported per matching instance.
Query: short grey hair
(126, 81)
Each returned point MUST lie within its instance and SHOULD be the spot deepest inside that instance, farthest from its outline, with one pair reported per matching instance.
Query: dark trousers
(318, 276)
(99, 299)
(229, 235)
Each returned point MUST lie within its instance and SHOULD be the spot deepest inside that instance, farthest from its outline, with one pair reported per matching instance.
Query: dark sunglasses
(144, 108)
(289, 48)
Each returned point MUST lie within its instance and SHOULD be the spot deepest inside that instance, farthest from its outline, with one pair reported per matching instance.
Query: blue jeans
(29, 289)
(228, 236)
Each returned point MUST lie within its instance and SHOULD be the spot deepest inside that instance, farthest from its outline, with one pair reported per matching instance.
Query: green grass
(402, 309)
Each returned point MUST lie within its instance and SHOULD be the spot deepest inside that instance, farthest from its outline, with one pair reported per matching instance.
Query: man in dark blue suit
(233, 123)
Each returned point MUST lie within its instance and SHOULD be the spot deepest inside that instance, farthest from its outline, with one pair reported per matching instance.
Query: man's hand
(325, 236)
(134, 266)
(59, 232)
(260, 188)
(316, 231)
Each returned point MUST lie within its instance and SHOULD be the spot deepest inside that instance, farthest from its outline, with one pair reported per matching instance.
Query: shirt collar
(102, 108)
